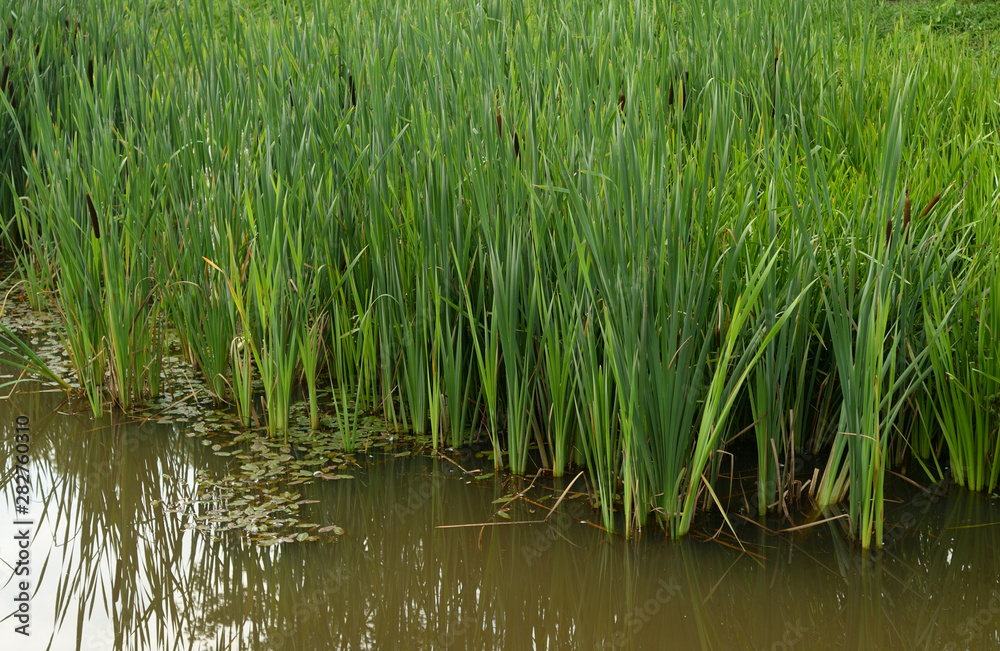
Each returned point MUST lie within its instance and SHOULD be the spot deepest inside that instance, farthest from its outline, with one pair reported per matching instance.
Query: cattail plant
(627, 287)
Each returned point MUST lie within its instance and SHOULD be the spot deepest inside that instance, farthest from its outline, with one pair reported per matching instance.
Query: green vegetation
(616, 236)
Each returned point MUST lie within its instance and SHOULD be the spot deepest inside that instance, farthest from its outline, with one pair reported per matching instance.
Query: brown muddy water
(109, 567)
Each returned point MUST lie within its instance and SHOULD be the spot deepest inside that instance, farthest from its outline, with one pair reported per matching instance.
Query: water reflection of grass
(396, 580)
(111, 550)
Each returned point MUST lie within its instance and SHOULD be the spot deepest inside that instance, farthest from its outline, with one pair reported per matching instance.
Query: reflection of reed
(112, 551)
(963, 560)
(395, 581)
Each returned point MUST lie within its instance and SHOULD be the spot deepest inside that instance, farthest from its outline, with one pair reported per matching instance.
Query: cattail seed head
(906, 211)
(927, 208)
(517, 147)
(93, 217)
(681, 89)
(499, 125)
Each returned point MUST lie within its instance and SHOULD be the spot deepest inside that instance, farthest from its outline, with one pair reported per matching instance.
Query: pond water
(111, 568)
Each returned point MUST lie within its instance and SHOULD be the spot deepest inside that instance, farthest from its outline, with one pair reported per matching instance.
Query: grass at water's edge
(619, 235)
